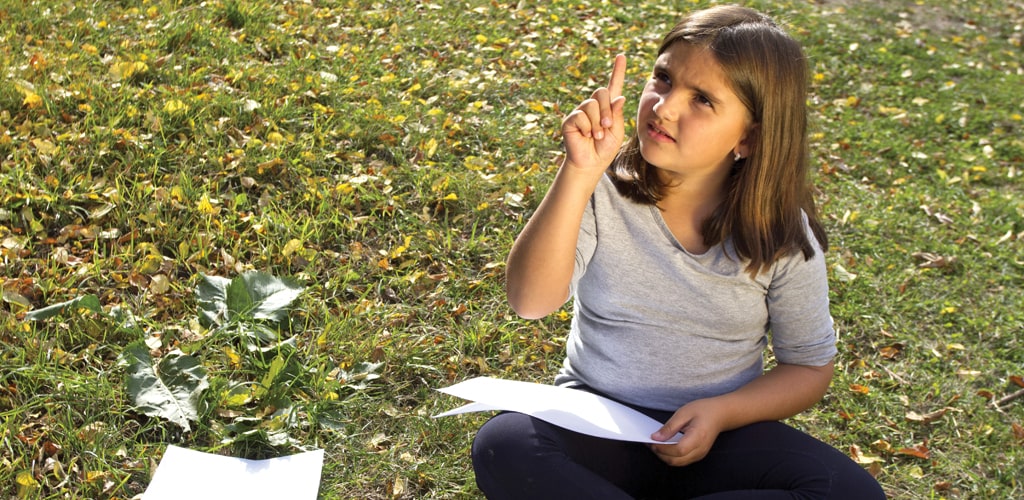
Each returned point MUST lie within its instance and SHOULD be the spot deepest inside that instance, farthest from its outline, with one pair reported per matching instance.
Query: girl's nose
(667, 107)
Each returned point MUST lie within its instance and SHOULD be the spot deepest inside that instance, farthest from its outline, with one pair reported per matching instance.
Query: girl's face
(689, 121)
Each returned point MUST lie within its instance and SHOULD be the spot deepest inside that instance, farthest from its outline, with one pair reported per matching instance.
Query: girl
(686, 249)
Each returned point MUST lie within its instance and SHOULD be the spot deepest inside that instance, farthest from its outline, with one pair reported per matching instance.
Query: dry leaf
(1018, 433)
(919, 451)
(862, 458)
(891, 351)
(913, 416)
(933, 261)
(862, 389)
(1017, 379)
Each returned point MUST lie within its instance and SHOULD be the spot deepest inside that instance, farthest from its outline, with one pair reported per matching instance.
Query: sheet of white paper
(572, 409)
(194, 475)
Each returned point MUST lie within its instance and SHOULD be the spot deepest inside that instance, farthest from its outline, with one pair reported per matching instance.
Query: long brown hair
(767, 192)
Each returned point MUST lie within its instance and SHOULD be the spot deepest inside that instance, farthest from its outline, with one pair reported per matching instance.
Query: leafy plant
(170, 388)
(253, 306)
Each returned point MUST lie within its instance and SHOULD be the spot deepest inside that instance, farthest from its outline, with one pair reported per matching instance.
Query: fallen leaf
(89, 432)
(398, 488)
(913, 416)
(919, 451)
(891, 351)
(862, 458)
(1017, 379)
(1018, 433)
(933, 261)
(50, 448)
(159, 284)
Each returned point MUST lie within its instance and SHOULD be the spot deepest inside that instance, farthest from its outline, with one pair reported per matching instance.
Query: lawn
(358, 170)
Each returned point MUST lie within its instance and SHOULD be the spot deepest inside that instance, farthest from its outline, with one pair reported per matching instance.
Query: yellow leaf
(236, 396)
(32, 100)
(401, 248)
(126, 69)
(293, 245)
(430, 148)
(25, 479)
(150, 264)
(175, 106)
(27, 485)
(234, 360)
(95, 475)
(44, 147)
(205, 207)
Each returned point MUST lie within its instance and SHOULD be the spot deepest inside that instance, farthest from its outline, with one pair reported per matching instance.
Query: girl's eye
(703, 101)
(661, 77)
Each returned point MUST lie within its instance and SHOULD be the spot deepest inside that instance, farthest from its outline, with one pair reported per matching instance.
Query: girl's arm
(540, 264)
(782, 392)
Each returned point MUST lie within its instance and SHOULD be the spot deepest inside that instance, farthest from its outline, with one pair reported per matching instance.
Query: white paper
(572, 409)
(194, 475)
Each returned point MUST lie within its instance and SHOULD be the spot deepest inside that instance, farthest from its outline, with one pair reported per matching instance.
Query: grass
(385, 156)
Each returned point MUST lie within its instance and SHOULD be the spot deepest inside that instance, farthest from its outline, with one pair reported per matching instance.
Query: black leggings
(518, 456)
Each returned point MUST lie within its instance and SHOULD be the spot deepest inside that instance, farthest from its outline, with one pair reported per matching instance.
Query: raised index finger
(618, 77)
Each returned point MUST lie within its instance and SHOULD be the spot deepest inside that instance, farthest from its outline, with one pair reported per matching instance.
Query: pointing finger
(618, 77)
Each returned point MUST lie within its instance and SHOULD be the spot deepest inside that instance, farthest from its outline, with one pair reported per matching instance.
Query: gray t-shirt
(658, 327)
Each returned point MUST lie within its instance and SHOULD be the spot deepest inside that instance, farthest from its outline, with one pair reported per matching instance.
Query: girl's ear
(748, 141)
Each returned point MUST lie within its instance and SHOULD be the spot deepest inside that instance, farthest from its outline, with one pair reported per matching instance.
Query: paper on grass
(572, 409)
(195, 475)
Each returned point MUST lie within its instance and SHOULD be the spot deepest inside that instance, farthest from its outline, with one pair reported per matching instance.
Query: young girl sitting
(686, 250)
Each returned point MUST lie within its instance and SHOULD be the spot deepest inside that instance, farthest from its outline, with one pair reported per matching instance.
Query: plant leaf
(169, 389)
(276, 366)
(239, 300)
(90, 302)
(269, 296)
(253, 295)
(212, 295)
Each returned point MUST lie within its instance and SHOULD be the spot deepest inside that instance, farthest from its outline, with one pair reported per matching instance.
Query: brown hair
(768, 192)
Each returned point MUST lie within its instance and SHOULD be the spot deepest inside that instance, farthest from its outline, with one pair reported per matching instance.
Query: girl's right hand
(594, 131)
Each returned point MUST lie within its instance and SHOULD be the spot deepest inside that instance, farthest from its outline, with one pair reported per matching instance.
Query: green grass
(386, 154)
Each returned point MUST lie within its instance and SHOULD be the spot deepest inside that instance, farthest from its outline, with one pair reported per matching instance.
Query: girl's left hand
(700, 422)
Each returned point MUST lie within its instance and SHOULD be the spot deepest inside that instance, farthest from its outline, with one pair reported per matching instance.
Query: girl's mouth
(658, 134)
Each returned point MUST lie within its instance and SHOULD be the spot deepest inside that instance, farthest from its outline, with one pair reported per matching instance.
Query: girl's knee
(505, 438)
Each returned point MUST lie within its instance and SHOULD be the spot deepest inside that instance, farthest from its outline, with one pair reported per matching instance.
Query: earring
(738, 157)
